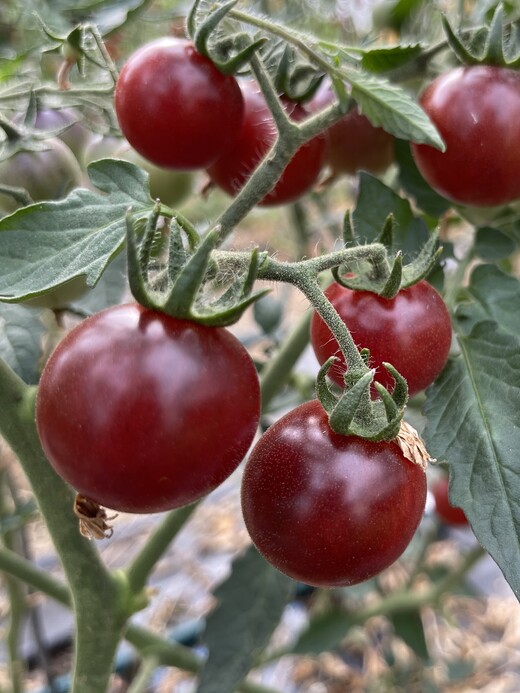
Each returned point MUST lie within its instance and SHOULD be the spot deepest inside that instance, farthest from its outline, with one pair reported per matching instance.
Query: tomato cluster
(179, 111)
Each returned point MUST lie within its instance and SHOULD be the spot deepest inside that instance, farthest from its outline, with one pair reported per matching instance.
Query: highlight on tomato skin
(325, 509)
(447, 512)
(255, 138)
(175, 107)
(141, 412)
(411, 331)
(476, 110)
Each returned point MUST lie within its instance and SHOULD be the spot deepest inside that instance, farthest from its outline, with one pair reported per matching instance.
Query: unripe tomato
(75, 135)
(141, 412)
(168, 185)
(353, 143)
(255, 139)
(411, 331)
(476, 110)
(175, 107)
(47, 174)
(327, 509)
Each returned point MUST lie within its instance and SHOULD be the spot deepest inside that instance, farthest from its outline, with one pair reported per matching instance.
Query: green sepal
(208, 25)
(182, 295)
(393, 283)
(422, 265)
(191, 20)
(485, 46)
(342, 416)
(400, 391)
(149, 237)
(237, 62)
(323, 391)
(349, 237)
(386, 237)
(136, 276)
(177, 255)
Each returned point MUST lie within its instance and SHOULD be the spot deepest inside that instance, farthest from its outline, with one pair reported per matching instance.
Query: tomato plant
(328, 509)
(73, 133)
(255, 138)
(175, 107)
(476, 110)
(411, 331)
(141, 412)
(353, 143)
(46, 174)
(444, 509)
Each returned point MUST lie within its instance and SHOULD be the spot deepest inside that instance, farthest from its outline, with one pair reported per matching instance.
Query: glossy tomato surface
(175, 107)
(353, 144)
(411, 331)
(326, 509)
(477, 113)
(142, 412)
(255, 139)
(447, 512)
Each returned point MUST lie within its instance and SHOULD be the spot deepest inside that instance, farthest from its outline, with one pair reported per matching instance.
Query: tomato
(411, 331)
(102, 147)
(444, 509)
(327, 509)
(353, 143)
(170, 186)
(47, 174)
(75, 135)
(255, 139)
(142, 412)
(175, 107)
(477, 113)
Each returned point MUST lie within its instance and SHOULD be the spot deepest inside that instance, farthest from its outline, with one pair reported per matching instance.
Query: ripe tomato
(327, 509)
(47, 174)
(411, 331)
(477, 113)
(444, 509)
(142, 412)
(353, 143)
(175, 107)
(255, 139)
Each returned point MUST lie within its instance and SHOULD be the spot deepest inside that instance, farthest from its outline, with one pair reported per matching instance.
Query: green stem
(143, 564)
(96, 596)
(142, 680)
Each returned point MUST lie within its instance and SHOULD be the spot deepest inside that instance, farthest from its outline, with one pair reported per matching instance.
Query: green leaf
(21, 335)
(473, 412)
(391, 108)
(409, 627)
(415, 185)
(491, 244)
(324, 632)
(251, 602)
(375, 202)
(495, 295)
(49, 243)
(389, 57)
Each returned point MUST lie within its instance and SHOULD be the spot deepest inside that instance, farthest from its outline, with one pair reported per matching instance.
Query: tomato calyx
(353, 412)
(388, 275)
(184, 288)
(493, 45)
(93, 519)
(240, 44)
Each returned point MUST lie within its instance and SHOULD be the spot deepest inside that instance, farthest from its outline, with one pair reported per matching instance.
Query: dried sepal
(93, 519)
(412, 445)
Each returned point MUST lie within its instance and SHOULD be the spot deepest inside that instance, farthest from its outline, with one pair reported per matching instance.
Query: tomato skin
(477, 113)
(256, 137)
(75, 135)
(411, 331)
(175, 107)
(353, 143)
(447, 512)
(47, 174)
(142, 412)
(326, 509)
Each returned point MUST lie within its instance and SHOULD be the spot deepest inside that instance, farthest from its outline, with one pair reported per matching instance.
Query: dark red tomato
(444, 509)
(477, 113)
(175, 107)
(46, 174)
(411, 331)
(255, 139)
(142, 412)
(353, 143)
(327, 509)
